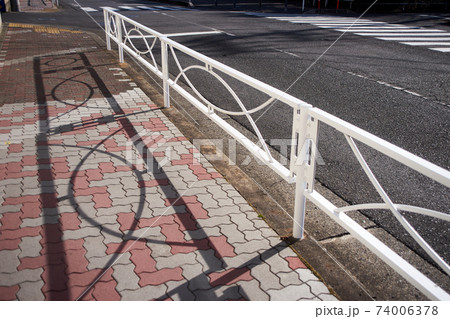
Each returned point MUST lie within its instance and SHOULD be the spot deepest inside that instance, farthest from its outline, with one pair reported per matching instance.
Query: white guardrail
(123, 31)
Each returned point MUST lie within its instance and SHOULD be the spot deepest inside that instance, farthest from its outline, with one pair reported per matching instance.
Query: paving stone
(251, 290)
(160, 249)
(276, 263)
(232, 233)
(31, 291)
(306, 275)
(177, 291)
(34, 222)
(217, 192)
(126, 277)
(195, 277)
(214, 221)
(144, 293)
(251, 246)
(327, 297)
(218, 293)
(143, 233)
(289, 278)
(202, 233)
(242, 260)
(94, 247)
(81, 233)
(30, 247)
(290, 293)
(266, 278)
(317, 287)
(242, 222)
(9, 260)
(108, 260)
(176, 260)
(209, 261)
(17, 277)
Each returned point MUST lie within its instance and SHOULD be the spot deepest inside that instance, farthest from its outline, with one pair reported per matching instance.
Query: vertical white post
(165, 72)
(302, 150)
(107, 29)
(119, 38)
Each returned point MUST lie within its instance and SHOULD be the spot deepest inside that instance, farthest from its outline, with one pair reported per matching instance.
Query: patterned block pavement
(102, 198)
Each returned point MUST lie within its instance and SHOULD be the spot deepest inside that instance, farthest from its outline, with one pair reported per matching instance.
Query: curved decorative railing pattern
(306, 118)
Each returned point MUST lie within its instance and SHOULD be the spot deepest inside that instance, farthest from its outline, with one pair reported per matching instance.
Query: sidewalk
(82, 215)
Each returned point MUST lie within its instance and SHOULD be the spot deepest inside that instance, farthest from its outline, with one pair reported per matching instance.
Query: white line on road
(88, 9)
(128, 8)
(414, 39)
(441, 49)
(427, 43)
(383, 34)
(110, 8)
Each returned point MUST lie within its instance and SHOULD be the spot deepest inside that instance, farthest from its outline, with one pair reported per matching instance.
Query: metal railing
(306, 118)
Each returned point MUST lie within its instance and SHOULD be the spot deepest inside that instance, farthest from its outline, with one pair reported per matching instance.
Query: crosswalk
(136, 8)
(433, 39)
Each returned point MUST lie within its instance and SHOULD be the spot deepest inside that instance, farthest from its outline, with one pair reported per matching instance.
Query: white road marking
(413, 39)
(110, 8)
(441, 49)
(191, 33)
(383, 34)
(88, 9)
(426, 43)
(128, 8)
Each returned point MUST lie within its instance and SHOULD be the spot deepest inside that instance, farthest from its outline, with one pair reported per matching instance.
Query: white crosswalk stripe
(434, 39)
(136, 8)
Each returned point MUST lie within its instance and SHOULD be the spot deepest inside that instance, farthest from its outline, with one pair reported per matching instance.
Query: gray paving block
(224, 211)
(126, 277)
(217, 192)
(232, 233)
(306, 275)
(225, 202)
(195, 277)
(209, 261)
(144, 293)
(242, 222)
(252, 234)
(267, 279)
(94, 247)
(9, 260)
(159, 249)
(289, 278)
(30, 247)
(177, 291)
(143, 233)
(176, 260)
(116, 191)
(207, 201)
(109, 260)
(251, 246)
(113, 211)
(251, 290)
(13, 190)
(81, 233)
(276, 263)
(218, 293)
(31, 291)
(111, 233)
(201, 233)
(39, 221)
(291, 293)
(317, 287)
(242, 260)
(214, 221)
(327, 297)
(11, 279)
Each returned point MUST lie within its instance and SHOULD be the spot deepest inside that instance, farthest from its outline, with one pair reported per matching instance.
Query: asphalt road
(398, 92)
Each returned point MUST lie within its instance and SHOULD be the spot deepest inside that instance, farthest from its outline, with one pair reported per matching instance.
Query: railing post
(107, 29)
(165, 72)
(119, 38)
(301, 155)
